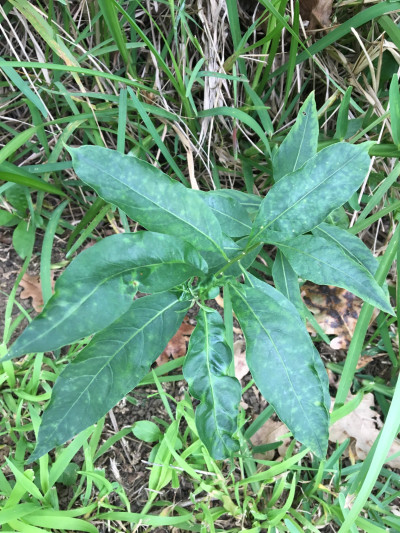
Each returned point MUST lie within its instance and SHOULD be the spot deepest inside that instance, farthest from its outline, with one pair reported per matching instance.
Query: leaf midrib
(74, 308)
(160, 207)
(282, 363)
(208, 348)
(334, 267)
(320, 184)
(340, 245)
(139, 330)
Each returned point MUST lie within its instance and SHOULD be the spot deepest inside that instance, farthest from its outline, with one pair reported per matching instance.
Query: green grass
(207, 97)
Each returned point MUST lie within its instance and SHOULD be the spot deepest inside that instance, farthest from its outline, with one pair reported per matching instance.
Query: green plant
(196, 243)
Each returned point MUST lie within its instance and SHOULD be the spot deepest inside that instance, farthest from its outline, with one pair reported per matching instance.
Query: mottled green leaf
(350, 244)
(99, 285)
(324, 263)
(300, 143)
(148, 196)
(251, 202)
(110, 366)
(206, 371)
(283, 362)
(302, 200)
(232, 216)
(286, 281)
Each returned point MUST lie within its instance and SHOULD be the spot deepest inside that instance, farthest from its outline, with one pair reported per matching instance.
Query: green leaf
(17, 196)
(232, 216)
(251, 202)
(110, 366)
(147, 431)
(324, 263)
(300, 144)
(23, 238)
(394, 100)
(20, 176)
(99, 286)
(148, 196)
(342, 124)
(350, 244)
(206, 371)
(8, 219)
(283, 362)
(302, 200)
(286, 281)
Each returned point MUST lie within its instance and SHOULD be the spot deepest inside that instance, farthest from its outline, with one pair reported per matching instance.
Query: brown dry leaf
(239, 354)
(336, 311)
(363, 426)
(268, 433)
(32, 289)
(177, 346)
(318, 12)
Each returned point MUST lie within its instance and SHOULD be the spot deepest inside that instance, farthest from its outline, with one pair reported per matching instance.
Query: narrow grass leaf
(343, 116)
(238, 115)
(146, 519)
(362, 17)
(394, 100)
(113, 25)
(357, 342)
(206, 370)
(323, 262)
(47, 247)
(284, 363)
(23, 177)
(148, 196)
(21, 510)
(110, 366)
(23, 86)
(52, 520)
(99, 285)
(22, 478)
(303, 199)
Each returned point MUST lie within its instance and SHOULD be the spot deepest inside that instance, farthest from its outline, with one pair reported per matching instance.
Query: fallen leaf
(336, 311)
(177, 346)
(32, 289)
(239, 354)
(362, 425)
(268, 433)
(364, 361)
(318, 12)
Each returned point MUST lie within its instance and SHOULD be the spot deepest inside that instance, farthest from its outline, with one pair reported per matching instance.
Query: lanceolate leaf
(99, 285)
(251, 202)
(206, 371)
(323, 262)
(286, 281)
(232, 216)
(301, 142)
(148, 196)
(302, 200)
(284, 363)
(350, 245)
(110, 366)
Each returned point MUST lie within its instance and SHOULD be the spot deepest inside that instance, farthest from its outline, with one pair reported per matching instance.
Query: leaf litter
(31, 288)
(362, 426)
(336, 310)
